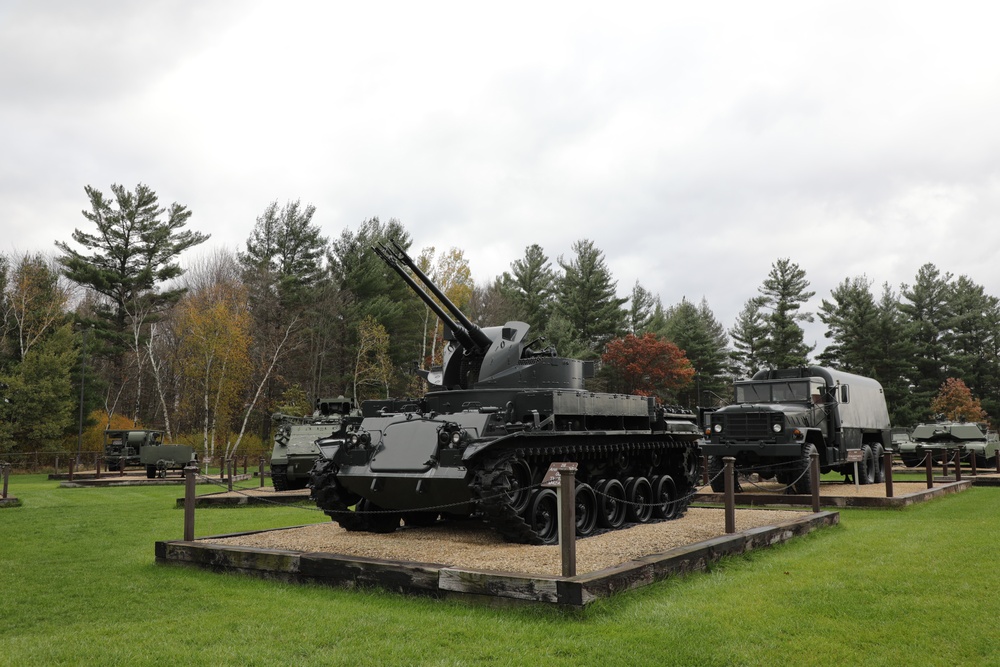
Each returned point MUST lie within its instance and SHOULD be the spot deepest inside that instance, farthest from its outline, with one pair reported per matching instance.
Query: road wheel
(378, 519)
(586, 510)
(665, 497)
(640, 500)
(544, 516)
(610, 504)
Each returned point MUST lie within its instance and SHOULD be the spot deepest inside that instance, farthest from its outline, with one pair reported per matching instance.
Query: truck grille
(750, 425)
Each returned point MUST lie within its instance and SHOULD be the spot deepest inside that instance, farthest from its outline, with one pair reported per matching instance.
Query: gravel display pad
(470, 545)
(469, 561)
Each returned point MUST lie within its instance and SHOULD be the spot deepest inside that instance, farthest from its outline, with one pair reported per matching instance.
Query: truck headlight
(717, 428)
(776, 428)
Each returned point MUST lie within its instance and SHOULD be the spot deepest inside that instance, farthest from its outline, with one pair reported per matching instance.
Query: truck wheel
(877, 455)
(150, 472)
(866, 466)
(803, 472)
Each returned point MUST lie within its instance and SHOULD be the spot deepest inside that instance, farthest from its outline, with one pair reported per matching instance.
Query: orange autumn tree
(955, 402)
(646, 365)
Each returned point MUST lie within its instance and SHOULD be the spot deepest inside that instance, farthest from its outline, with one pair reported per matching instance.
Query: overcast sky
(694, 143)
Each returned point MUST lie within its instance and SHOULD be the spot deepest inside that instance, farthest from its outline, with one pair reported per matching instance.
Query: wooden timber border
(447, 581)
(755, 499)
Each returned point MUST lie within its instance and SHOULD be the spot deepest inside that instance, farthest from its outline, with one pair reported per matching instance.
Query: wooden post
(244, 464)
(958, 464)
(261, 473)
(189, 472)
(97, 468)
(996, 457)
(229, 469)
(814, 482)
(704, 470)
(6, 478)
(71, 469)
(121, 466)
(56, 471)
(222, 468)
(730, 493)
(887, 463)
(972, 462)
(929, 464)
(567, 520)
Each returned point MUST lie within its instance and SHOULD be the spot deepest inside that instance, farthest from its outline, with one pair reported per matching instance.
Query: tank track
(491, 485)
(279, 477)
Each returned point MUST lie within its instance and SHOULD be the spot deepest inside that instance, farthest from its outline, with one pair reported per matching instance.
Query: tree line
(113, 329)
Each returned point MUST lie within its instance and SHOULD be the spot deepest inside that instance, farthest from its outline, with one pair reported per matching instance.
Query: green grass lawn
(78, 585)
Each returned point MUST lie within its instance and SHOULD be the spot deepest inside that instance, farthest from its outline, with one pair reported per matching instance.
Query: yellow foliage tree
(215, 354)
(372, 366)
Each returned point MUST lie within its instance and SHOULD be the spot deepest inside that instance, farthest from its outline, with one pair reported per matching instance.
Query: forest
(112, 330)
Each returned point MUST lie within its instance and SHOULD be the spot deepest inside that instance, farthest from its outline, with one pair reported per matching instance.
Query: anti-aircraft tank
(295, 448)
(500, 411)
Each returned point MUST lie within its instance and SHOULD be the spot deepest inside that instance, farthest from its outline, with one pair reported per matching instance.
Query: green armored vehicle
(295, 448)
(975, 439)
(125, 444)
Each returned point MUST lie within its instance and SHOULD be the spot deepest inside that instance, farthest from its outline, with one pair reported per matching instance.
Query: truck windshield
(772, 392)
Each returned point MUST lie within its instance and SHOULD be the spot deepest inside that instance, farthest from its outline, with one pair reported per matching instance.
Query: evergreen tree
(782, 295)
(748, 334)
(530, 287)
(587, 298)
(640, 310)
(972, 332)
(705, 344)
(893, 359)
(851, 326)
(130, 261)
(928, 311)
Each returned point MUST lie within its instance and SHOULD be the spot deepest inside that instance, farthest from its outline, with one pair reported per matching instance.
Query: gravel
(470, 545)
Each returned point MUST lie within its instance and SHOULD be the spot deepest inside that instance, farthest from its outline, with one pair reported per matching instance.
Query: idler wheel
(665, 497)
(610, 504)
(544, 516)
(640, 500)
(586, 510)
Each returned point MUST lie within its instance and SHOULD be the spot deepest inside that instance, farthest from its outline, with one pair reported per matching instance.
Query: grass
(78, 585)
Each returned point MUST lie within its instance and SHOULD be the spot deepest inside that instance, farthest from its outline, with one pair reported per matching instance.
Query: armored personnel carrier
(478, 443)
(973, 438)
(295, 448)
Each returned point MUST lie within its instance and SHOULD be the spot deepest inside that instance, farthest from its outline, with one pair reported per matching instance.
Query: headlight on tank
(776, 428)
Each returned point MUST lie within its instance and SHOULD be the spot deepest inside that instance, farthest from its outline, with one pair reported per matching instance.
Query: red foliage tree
(646, 365)
(955, 402)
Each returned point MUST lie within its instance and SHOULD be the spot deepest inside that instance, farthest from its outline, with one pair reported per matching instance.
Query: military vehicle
(975, 440)
(779, 417)
(144, 447)
(499, 413)
(159, 458)
(295, 448)
(125, 444)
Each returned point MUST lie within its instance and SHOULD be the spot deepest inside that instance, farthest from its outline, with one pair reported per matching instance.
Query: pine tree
(928, 311)
(530, 285)
(782, 294)
(705, 344)
(587, 298)
(748, 334)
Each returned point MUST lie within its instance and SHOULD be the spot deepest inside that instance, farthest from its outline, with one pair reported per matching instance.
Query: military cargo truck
(125, 444)
(295, 448)
(779, 417)
(973, 438)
